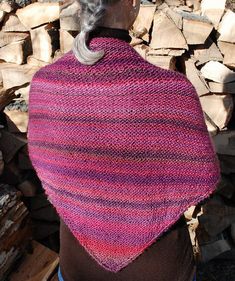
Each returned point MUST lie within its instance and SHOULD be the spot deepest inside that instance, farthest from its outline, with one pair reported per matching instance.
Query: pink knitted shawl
(121, 149)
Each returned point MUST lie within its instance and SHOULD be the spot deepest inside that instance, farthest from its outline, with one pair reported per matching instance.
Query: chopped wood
(44, 42)
(38, 266)
(217, 72)
(196, 30)
(17, 75)
(219, 108)
(228, 50)
(227, 88)
(69, 16)
(13, 24)
(42, 13)
(207, 52)
(165, 34)
(174, 16)
(214, 10)
(10, 37)
(16, 52)
(144, 21)
(195, 78)
(66, 40)
(165, 62)
(36, 62)
(227, 27)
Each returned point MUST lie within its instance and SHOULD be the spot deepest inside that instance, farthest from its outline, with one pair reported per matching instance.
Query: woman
(122, 151)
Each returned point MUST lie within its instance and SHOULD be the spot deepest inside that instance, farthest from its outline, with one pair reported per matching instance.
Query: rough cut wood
(195, 78)
(207, 52)
(36, 62)
(174, 16)
(227, 27)
(66, 40)
(10, 37)
(165, 62)
(217, 72)
(17, 75)
(44, 42)
(38, 266)
(142, 50)
(12, 23)
(166, 34)
(214, 10)
(42, 13)
(219, 108)
(69, 15)
(228, 50)
(227, 88)
(144, 21)
(196, 30)
(16, 52)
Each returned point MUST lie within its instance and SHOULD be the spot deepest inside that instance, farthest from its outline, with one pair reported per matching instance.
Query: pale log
(42, 13)
(217, 72)
(165, 34)
(227, 27)
(16, 52)
(44, 42)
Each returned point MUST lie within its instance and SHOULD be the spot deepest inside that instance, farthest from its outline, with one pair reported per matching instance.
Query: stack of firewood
(194, 37)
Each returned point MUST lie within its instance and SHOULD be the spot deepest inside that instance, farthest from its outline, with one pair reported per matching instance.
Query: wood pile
(195, 37)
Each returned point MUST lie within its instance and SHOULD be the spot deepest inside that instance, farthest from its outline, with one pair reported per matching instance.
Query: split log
(195, 78)
(144, 21)
(69, 16)
(227, 27)
(214, 10)
(196, 29)
(165, 34)
(174, 16)
(228, 50)
(17, 75)
(31, 60)
(13, 24)
(217, 72)
(66, 40)
(165, 62)
(44, 42)
(207, 52)
(219, 108)
(227, 88)
(167, 52)
(40, 265)
(42, 13)
(11, 37)
(16, 52)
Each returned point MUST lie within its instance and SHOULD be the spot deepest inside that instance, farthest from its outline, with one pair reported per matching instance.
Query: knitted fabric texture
(121, 148)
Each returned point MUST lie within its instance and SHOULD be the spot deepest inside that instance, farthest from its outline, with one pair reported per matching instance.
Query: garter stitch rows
(121, 149)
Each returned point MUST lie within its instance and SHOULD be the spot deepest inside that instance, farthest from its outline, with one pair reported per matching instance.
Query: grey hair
(92, 11)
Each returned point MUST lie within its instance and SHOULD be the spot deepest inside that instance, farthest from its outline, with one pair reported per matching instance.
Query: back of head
(108, 13)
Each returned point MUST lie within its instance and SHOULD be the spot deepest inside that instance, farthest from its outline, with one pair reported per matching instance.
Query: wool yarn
(121, 148)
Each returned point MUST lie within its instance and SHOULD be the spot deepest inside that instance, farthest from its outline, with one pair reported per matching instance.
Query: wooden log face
(166, 34)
